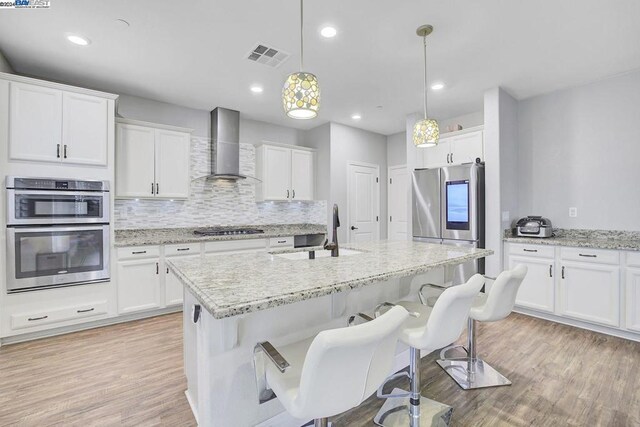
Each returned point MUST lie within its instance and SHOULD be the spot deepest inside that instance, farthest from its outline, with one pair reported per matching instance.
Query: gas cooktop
(226, 231)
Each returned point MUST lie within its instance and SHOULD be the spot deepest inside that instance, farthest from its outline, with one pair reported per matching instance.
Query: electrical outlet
(505, 216)
(573, 212)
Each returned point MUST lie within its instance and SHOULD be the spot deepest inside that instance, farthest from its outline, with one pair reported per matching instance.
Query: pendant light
(301, 93)
(426, 132)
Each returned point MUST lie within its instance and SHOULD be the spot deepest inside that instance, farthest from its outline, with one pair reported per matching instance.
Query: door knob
(354, 228)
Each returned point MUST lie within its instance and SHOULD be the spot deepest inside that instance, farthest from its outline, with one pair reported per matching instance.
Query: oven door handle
(47, 228)
(25, 192)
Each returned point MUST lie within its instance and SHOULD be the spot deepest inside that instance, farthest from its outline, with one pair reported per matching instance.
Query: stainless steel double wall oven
(57, 233)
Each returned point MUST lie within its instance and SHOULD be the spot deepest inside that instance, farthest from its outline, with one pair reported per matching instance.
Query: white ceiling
(193, 53)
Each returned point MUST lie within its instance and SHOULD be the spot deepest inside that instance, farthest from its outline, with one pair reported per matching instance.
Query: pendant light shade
(301, 92)
(426, 132)
(301, 96)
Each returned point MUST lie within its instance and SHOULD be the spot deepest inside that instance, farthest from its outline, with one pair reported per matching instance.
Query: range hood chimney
(225, 144)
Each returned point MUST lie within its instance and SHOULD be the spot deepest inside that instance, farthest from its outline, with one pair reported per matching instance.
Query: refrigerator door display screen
(458, 205)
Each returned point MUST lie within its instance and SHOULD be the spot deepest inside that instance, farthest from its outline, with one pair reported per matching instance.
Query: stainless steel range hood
(225, 144)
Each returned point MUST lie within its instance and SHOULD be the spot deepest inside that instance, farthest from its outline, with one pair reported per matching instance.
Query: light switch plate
(573, 212)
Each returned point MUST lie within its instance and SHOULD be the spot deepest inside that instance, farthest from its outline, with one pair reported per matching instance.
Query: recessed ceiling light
(256, 89)
(79, 40)
(356, 117)
(437, 86)
(328, 32)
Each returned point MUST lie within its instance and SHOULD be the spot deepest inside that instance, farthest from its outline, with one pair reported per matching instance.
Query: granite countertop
(244, 283)
(582, 238)
(163, 236)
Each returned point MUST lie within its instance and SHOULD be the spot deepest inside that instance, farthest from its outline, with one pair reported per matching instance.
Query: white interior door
(364, 191)
(397, 195)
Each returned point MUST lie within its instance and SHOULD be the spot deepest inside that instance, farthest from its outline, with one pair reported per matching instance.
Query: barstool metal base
(395, 412)
(482, 374)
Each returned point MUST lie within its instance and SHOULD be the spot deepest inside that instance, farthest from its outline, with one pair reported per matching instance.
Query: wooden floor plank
(131, 375)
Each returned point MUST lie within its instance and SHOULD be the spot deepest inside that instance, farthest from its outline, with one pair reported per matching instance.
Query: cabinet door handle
(451, 157)
(31, 319)
(183, 249)
(85, 311)
(551, 271)
(65, 151)
(157, 268)
(530, 250)
(447, 158)
(138, 252)
(287, 194)
(152, 188)
(167, 270)
(294, 194)
(282, 241)
(157, 188)
(588, 255)
(58, 150)
(563, 272)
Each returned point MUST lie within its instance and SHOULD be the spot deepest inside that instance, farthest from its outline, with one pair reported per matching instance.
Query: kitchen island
(247, 298)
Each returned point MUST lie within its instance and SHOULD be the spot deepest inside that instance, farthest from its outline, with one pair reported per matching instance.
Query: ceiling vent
(263, 54)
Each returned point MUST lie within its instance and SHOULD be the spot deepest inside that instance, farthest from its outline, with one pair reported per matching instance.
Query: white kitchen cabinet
(454, 149)
(173, 288)
(285, 173)
(633, 298)
(537, 291)
(35, 123)
(590, 291)
(302, 175)
(139, 285)
(85, 129)
(152, 162)
(52, 125)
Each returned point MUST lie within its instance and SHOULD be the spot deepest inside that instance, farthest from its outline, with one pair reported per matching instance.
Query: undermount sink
(319, 254)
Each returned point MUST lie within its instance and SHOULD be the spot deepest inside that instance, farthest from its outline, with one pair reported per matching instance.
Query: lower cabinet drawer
(532, 250)
(235, 245)
(29, 320)
(601, 256)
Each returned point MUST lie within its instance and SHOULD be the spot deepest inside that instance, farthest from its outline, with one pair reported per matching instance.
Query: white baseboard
(620, 333)
(193, 408)
(14, 339)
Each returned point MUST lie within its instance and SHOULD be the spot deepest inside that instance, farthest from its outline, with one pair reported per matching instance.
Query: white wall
(5, 67)
(320, 139)
(580, 147)
(351, 144)
(396, 149)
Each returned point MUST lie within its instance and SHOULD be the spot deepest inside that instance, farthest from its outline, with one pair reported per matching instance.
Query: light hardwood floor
(131, 375)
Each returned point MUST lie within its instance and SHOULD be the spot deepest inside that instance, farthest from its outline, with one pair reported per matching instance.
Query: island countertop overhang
(236, 284)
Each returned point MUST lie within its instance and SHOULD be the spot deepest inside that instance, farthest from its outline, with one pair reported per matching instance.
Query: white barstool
(334, 371)
(435, 328)
(471, 372)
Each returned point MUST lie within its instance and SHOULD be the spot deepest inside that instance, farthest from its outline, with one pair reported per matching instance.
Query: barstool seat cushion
(414, 327)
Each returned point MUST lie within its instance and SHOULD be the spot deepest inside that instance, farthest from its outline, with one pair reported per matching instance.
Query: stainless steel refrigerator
(448, 208)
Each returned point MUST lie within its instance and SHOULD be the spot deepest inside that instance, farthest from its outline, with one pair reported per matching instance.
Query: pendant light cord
(425, 76)
(301, 36)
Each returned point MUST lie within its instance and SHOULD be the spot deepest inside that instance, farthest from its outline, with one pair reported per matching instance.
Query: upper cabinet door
(435, 157)
(35, 123)
(276, 173)
(135, 156)
(172, 164)
(85, 129)
(302, 175)
(467, 148)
